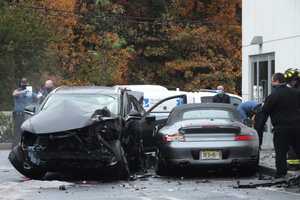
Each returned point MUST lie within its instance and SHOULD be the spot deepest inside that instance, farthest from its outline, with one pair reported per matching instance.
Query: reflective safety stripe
(293, 162)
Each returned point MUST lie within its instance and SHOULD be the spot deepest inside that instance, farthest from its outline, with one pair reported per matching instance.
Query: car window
(168, 105)
(207, 99)
(206, 114)
(138, 106)
(233, 100)
(131, 106)
(201, 113)
(88, 102)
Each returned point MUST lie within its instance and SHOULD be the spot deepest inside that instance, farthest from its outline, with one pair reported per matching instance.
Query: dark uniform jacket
(283, 106)
(221, 98)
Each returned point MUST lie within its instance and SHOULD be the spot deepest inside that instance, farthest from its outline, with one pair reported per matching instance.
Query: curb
(5, 146)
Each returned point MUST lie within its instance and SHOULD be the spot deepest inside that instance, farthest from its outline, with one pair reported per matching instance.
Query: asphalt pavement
(202, 185)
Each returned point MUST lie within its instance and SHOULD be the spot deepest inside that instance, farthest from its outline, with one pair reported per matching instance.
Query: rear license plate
(210, 155)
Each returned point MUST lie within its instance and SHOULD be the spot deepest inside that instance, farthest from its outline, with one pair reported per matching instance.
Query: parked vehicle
(154, 93)
(85, 129)
(206, 134)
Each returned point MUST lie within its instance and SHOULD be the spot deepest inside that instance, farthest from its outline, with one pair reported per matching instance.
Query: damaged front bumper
(79, 149)
(57, 161)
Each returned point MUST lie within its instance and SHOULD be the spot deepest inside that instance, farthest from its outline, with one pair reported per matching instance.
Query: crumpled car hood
(67, 115)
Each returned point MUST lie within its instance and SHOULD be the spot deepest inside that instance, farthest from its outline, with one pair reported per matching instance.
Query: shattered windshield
(87, 102)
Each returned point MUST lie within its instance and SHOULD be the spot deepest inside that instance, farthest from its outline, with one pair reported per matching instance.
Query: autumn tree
(24, 39)
(190, 44)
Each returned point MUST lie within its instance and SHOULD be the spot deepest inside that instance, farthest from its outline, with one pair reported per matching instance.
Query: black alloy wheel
(17, 160)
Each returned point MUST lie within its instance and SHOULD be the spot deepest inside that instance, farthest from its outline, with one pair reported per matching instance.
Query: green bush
(6, 128)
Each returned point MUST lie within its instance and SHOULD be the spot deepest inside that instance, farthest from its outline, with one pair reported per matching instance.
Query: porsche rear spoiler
(210, 129)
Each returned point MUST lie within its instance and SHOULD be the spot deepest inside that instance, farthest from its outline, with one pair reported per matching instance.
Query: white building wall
(278, 21)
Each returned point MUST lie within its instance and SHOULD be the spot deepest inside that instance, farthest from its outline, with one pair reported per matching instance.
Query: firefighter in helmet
(293, 160)
(283, 106)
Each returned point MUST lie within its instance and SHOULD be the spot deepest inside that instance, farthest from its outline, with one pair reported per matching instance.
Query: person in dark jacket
(293, 160)
(278, 81)
(283, 106)
(221, 97)
(259, 121)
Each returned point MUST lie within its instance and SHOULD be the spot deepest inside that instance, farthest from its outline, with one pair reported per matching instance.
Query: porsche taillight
(244, 137)
(177, 137)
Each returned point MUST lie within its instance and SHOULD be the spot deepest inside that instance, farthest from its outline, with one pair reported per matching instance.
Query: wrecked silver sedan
(84, 129)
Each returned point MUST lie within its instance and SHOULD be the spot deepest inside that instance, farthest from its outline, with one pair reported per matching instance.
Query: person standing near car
(251, 110)
(246, 108)
(221, 97)
(23, 96)
(260, 118)
(45, 90)
(278, 81)
(293, 160)
(283, 106)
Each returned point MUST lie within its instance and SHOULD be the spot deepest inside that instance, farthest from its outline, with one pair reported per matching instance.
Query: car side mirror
(30, 110)
(248, 122)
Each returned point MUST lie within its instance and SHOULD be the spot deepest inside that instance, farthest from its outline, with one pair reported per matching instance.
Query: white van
(154, 93)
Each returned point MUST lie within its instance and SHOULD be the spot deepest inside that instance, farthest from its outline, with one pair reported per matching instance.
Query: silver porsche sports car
(206, 134)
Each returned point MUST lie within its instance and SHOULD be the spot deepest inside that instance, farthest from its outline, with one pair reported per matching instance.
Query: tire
(161, 166)
(17, 160)
(138, 162)
(250, 169)
(254, 167)
(122, 167)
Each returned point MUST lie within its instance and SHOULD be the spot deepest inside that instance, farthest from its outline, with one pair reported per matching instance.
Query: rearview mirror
(30, 110)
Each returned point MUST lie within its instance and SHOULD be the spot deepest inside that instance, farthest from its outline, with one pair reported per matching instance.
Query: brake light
(175, 137)
(244, 137)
